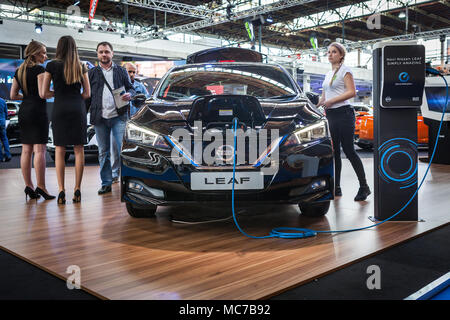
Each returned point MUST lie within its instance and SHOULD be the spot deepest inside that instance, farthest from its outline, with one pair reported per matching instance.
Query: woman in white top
(338, 88)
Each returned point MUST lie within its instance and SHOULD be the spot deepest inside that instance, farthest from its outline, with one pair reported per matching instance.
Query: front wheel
(147, 212)
(318, 209)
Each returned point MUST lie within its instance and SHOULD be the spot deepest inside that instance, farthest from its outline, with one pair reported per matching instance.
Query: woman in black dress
(69, 112)
(33, 120)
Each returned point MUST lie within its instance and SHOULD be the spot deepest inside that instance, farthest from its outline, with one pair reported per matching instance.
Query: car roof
(203, 64)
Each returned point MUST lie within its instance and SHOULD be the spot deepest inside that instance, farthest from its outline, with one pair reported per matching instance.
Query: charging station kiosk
(398, 82)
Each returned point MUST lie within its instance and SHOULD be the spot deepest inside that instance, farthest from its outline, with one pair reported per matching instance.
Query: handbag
(122, 110)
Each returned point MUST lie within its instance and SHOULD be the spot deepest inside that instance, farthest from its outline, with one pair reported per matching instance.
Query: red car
(364, 131)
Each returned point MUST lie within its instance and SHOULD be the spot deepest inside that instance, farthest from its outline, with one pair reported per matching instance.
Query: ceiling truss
(295, 20)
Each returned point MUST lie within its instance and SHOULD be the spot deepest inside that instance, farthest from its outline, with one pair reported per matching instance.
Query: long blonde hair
(66, 51)
(343, 52)
(32, 49)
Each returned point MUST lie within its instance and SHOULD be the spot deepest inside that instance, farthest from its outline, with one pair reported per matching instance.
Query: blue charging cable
(299, 233)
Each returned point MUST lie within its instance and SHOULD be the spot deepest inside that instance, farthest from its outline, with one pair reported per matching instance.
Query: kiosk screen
(436, 99)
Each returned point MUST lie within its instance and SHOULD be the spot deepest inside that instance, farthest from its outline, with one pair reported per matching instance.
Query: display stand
(398, 76)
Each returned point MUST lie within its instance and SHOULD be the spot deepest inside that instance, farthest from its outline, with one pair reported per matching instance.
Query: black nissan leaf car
(180, 147)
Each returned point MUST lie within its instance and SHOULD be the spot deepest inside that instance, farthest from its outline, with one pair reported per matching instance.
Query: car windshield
(260, 81)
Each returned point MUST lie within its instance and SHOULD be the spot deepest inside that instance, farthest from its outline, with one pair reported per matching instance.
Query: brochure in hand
(117, 93)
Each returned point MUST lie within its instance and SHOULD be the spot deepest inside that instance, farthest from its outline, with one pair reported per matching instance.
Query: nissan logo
(225, 152)
(403, 77)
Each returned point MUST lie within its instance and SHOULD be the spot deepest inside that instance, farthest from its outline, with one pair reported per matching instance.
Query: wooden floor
(125, 258)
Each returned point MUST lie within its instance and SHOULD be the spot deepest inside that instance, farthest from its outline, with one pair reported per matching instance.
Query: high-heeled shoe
(77, 196)
(45, 195)
(29, 192)
(62, 198)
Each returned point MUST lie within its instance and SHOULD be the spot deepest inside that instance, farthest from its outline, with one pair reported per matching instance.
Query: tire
(148, 212)
(315, 210)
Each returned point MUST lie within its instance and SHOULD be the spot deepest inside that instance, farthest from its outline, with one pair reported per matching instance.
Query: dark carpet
(20, 280)
(404, 269)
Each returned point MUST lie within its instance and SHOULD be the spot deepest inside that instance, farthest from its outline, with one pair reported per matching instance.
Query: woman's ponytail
(32, 49)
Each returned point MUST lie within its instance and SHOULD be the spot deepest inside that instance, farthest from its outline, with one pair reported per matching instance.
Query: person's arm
(322, 99)
(44, 85)
(86, 87)
(91, 78)
(14, 93)
(349, 93)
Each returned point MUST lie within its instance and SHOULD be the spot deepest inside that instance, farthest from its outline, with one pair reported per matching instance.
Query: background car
(149, 83)
(89, 148)
(12, 131)
(13, 108)
(361, 110)
(364, 139)
(215, 88)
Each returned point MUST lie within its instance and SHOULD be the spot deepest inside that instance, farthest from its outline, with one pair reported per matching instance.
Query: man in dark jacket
(105, 116)
(3, 137)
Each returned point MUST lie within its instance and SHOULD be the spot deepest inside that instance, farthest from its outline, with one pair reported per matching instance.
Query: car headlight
(144, 136)
(308, 134)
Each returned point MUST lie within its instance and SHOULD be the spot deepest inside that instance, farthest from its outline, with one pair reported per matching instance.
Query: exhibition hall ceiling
(294, 22)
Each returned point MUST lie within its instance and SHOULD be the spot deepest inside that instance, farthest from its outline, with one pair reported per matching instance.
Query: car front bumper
(148, 177)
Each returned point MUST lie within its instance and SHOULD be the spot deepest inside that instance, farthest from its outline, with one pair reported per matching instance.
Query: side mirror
(313, 97)
(139, 99)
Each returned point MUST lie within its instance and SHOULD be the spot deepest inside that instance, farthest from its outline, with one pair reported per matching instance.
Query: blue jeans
(5, 143)
(115, 161)
(133, 110)
(103, 131)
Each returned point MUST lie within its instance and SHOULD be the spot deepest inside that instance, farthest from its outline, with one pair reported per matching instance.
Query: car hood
(166, 116)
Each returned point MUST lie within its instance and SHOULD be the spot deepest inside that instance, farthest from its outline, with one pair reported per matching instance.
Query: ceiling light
(402, 15)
